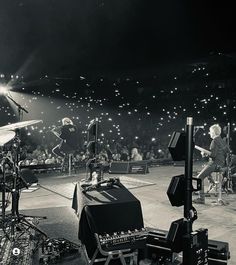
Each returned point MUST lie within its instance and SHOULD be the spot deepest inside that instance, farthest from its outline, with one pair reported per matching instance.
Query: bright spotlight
(4, 89)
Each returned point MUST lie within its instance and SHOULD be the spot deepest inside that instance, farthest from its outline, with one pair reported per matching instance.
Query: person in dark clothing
(124, 154)
(217, 159)
(69, 138)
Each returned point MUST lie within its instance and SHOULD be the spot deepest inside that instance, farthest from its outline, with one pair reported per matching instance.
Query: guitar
(55, 132)
(58, 135)
(202, 150)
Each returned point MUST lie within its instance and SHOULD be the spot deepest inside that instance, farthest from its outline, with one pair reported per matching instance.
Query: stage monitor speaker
(118, 167)
(176, 146)
(27, 177)
(176, 190)
(138, 167)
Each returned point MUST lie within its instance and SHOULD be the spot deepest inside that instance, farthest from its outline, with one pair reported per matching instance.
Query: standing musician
(217, 159)
(69, 138)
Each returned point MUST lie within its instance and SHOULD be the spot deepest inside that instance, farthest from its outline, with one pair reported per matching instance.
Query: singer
(217, 158)
(69, 138)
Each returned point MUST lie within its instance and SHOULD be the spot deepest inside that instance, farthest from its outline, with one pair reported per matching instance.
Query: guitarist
(217, 155)
(69, 138)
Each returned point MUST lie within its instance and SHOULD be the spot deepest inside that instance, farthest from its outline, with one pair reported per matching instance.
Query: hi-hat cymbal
(6, 136)
(19, 125)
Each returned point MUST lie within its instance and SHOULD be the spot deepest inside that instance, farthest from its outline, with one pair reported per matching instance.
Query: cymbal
(6, 136)
(19, 125)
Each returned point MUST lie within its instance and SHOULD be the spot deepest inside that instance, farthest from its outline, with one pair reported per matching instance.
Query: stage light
(4, 89)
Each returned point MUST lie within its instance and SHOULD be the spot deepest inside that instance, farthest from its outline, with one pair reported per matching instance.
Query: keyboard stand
(111, 255)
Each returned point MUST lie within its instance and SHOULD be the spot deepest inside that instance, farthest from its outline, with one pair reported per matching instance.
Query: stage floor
(56, 192)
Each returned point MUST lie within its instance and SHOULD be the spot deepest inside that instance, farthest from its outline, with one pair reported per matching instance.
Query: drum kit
(9, 165)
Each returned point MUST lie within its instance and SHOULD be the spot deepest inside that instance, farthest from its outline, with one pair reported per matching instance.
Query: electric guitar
(202, 150)
(58, 134)
(55, 133)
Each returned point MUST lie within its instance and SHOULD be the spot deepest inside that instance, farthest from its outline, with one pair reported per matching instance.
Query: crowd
(42, 155)
(134, 111)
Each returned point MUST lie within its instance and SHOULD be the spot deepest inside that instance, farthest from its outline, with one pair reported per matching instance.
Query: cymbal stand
(15, 222)
(19, 107)
(3, 185)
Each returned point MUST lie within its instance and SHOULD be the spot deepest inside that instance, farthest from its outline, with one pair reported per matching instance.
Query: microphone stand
(188, 174)
(19, 107)
(229, 184)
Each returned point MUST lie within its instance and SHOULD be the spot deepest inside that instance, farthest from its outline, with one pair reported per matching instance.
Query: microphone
(199, 127)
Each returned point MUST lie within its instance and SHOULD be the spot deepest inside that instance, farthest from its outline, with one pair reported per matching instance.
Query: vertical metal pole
(220, 177)
(96, 137)
(188, 174)
(228, 134)
(70, 163)
(3, 184)
(228, 159)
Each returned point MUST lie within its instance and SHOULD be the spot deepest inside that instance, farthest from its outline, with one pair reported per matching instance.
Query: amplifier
(122, 240)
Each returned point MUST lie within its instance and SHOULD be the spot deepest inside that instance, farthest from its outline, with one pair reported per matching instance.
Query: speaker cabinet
(176, 190)
(176, 146)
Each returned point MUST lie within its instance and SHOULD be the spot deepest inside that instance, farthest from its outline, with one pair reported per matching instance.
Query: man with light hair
(216, 129)
(217, 159)
(67, 121)
(69, 138)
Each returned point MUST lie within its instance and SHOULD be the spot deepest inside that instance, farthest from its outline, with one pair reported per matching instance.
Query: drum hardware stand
(19, 107)
(15, 217)
(16, 222)
(227, 184)
(107, 256)
(3, 184)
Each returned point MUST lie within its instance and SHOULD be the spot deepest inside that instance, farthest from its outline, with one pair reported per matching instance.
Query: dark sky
(78, 36)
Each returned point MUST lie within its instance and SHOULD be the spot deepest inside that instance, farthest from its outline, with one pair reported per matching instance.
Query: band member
(69, 138)
(217, 159)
